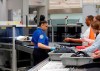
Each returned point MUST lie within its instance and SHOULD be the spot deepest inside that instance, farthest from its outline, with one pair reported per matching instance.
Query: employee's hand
(52, 48)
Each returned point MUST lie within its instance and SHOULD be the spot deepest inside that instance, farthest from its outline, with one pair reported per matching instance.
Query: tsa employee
(40, 40)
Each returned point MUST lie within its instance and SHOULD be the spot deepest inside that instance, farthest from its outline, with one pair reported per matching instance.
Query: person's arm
(90, 41)
(86, 35)
(42, 46)
(73, 40)
(93, 47)
(41, 40)
(76, 40)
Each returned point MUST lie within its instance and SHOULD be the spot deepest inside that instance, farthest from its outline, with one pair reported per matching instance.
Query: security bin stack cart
(10, 46)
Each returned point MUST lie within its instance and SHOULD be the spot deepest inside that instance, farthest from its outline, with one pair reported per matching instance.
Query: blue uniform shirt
(39, 36)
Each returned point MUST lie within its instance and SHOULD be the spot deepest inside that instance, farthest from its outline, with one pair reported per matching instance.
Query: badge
(41, 36)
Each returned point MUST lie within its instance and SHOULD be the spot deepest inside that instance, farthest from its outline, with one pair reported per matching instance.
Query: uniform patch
(41, 37)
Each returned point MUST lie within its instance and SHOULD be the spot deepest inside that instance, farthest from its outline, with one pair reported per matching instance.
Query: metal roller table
(48, 65)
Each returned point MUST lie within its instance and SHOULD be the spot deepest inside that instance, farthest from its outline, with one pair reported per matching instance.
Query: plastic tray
(55, 56)
(67, 60)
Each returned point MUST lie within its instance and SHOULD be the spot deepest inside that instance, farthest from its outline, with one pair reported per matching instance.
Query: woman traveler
(96, 45)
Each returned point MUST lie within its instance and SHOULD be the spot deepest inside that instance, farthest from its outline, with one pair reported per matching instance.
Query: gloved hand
(52, 48)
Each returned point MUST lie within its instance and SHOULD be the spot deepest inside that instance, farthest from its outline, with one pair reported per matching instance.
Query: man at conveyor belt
(88, 35)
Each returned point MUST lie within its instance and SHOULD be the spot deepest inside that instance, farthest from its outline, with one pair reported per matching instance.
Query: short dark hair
(90, 17)
(42, 22)
(97, 18)
(95, 25)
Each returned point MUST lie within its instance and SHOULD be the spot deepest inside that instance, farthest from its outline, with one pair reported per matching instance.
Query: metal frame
(71, 25)
(14, 60)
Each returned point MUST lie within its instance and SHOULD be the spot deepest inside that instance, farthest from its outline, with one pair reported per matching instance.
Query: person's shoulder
(98, 37)
(38, 31)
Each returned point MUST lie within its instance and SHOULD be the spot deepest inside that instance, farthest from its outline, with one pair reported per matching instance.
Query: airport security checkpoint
(49, 35)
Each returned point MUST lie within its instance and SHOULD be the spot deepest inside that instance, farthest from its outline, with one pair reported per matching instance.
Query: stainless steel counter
(47, 65)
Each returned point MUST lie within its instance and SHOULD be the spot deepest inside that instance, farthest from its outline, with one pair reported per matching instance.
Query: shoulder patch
(41, 37)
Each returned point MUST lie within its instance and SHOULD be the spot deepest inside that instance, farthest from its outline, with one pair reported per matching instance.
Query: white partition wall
(44, 10)
(3, 17)
(3, 10)
(25, 10)
(41, 6)
(14, 4)
(36, 2)
(88, 9)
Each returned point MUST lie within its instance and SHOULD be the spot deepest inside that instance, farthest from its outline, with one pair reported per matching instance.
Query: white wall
(99, 11)
(9, 4)
(88, 9)
(3, 11)
(70, 16)
(15, 4)
(3, 17)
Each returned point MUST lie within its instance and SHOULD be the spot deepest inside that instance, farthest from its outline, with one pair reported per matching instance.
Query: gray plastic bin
(55, 56)
(67, 60)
